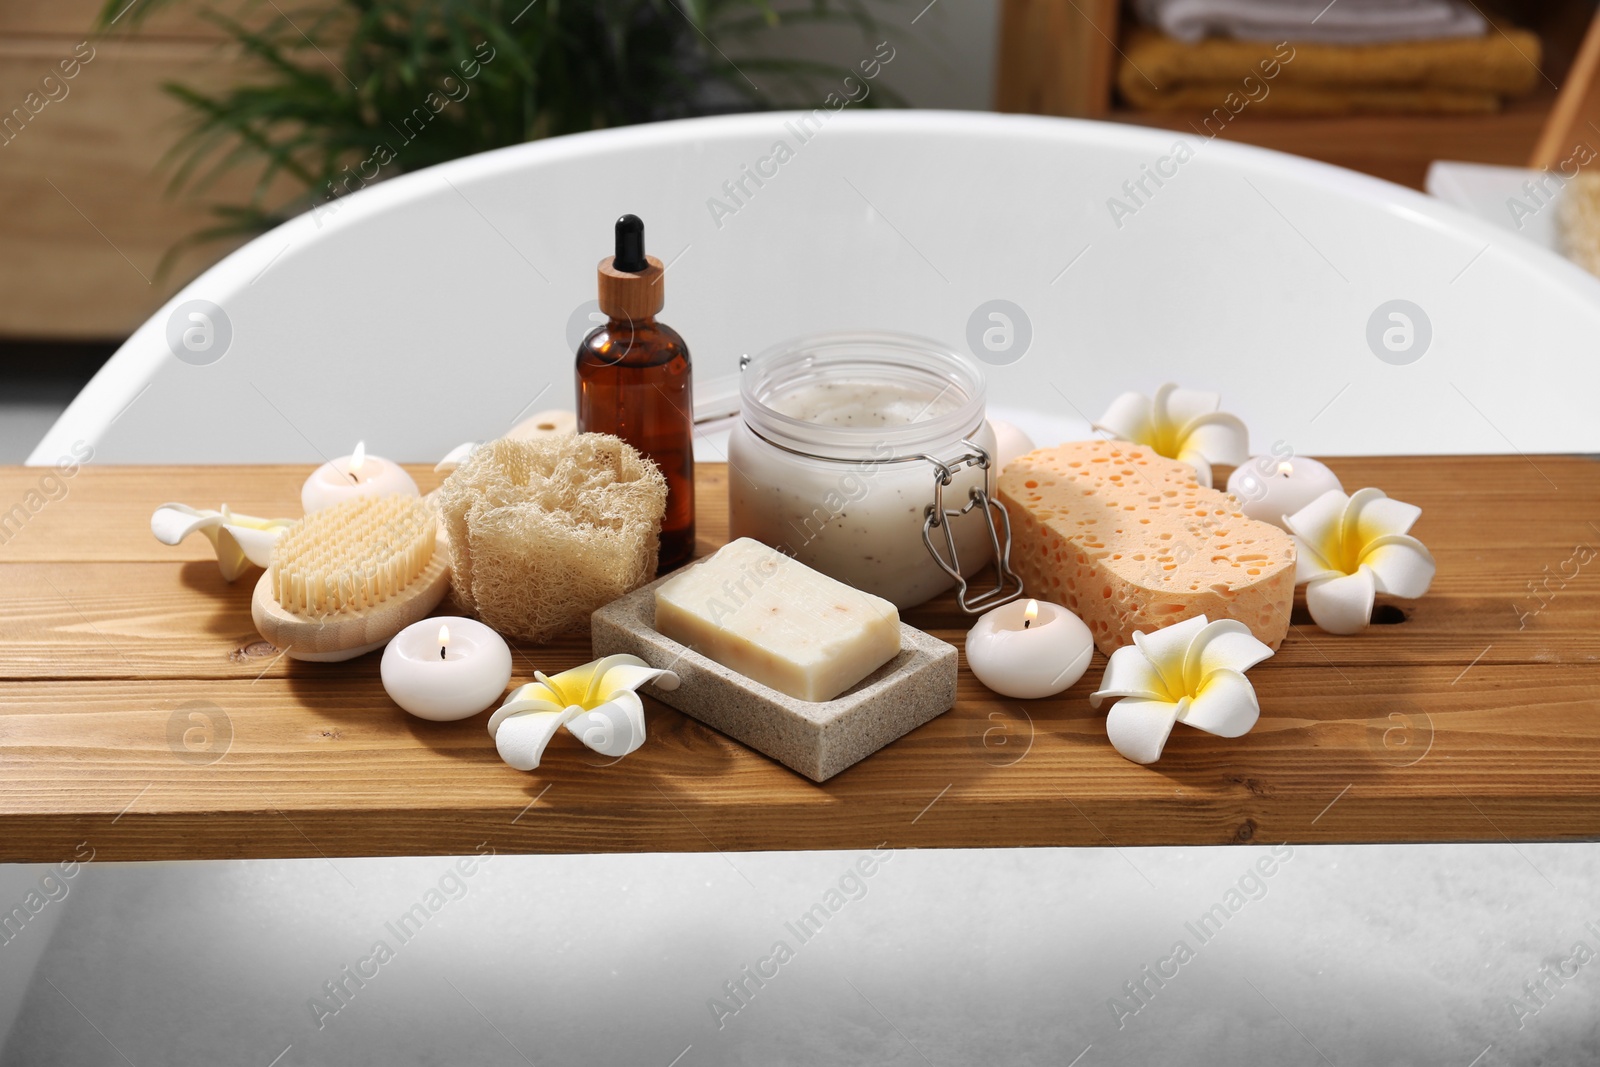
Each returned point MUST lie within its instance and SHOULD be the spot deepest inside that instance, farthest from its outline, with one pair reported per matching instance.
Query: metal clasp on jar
(1007, 585)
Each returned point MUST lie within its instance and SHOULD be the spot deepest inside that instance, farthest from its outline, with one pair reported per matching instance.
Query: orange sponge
(1128, 540)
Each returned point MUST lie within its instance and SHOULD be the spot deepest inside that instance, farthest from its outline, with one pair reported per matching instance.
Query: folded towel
(1309, 100)
(1340, 22)
(1459, 75)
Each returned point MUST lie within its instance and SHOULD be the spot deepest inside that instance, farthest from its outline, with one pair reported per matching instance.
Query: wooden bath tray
(140, 712)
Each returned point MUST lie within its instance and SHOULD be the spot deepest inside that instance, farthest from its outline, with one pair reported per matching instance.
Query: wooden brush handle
(352, 632)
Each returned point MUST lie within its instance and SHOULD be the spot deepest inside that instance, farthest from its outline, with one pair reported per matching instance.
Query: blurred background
(141, 140)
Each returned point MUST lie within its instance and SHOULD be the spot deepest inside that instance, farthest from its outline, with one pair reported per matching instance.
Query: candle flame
(444, 640)
(1286, 469)
(358, 457)
(1030, 613)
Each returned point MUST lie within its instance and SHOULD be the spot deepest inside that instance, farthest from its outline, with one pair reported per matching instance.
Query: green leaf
(323, 85)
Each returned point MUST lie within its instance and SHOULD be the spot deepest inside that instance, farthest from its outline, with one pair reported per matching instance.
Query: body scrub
(846, 442)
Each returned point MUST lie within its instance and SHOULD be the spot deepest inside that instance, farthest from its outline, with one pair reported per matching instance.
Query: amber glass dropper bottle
(634, 381)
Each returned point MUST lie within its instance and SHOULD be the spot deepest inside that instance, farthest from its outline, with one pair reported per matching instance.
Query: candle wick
(441, 652)
(1026, 623)
(353, 477)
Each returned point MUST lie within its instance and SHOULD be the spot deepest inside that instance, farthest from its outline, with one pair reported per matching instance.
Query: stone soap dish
(816, 738)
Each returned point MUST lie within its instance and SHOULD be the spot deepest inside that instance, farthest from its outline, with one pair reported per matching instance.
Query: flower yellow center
(562, 697)
(1164, 440)
(1344, 554)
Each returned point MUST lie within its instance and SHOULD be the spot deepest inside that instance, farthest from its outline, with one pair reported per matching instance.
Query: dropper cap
(630, 281)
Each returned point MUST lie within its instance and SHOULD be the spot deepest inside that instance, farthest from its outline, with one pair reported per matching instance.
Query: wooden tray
(140, 712)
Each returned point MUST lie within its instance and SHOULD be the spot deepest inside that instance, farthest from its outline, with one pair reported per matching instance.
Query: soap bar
(773, 619)
(1129, 540)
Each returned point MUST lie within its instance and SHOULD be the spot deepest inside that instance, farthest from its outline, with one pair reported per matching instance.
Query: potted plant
(340, 93)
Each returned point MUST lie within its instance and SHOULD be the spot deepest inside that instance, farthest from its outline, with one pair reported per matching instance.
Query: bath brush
(346, 579)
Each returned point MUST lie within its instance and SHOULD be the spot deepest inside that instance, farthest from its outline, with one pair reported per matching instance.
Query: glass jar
(867, 457)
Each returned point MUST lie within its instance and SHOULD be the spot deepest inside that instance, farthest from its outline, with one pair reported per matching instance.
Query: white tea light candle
(1029, 650)
(357, 474)
(1269, 487)
(1009, 443)
(446, 668)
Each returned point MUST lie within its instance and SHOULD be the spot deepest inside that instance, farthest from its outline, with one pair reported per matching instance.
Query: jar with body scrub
(867, 457)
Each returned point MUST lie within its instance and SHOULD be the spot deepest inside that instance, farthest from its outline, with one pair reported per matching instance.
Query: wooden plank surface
(139, 711)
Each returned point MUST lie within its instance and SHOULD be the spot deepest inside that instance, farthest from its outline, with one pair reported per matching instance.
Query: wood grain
(1056, 57)
(139, 712)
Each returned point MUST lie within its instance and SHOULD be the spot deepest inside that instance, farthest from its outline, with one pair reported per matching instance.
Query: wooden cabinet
(1059, 57)
(85, 215)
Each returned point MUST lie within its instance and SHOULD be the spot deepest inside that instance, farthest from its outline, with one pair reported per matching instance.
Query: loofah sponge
(543, 532)
(1580, 221)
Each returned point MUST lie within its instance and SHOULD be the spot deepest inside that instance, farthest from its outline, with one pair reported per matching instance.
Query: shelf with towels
(1484, 99)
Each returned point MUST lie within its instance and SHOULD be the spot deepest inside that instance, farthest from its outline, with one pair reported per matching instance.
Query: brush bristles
(352, 556)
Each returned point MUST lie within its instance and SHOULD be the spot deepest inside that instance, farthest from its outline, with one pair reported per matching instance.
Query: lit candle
(446, 669)
(1029, 650)
(357, 474)
(1269, 487)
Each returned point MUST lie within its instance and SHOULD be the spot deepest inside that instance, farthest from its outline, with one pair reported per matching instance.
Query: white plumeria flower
(1190, 672)
(239, 540)
(1349, 548)
(1181, 424)
(596, 703)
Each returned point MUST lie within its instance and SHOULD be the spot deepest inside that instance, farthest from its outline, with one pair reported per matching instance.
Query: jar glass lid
(856, 395)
